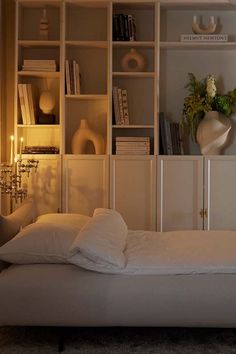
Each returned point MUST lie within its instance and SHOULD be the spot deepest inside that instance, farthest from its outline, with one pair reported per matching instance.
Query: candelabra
(11, 179)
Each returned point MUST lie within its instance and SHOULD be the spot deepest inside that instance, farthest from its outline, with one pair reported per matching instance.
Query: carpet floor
(27, 340)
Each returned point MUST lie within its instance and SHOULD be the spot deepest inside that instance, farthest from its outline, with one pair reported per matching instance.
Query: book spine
(77, 75)
(68, 88)
(133, 29)
(122, 122)
(125, 106)
(122, 27)
(26, 100)
(162, 132)
(126, 28)
(72, 84)
(168, 137)
(31, 104)
(116, 105)
(116, 28)
(128, 152)
(22, 104)
(132, 143)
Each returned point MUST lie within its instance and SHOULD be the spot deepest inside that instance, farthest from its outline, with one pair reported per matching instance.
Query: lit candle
(21, 146)
(194, 19)
(15, 163)
(12, 149)
(212, 20)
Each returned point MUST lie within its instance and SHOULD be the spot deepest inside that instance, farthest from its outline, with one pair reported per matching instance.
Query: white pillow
(77, 220)
(40, 243)
(102, 240)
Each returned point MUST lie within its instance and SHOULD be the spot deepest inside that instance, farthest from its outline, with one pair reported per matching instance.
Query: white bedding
(104, 244)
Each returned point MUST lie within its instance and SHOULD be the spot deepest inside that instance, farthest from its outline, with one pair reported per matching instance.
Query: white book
(132, 143)
(39, 62)
(78, 89)
(122, 121)
(67, 68)
(26, 100)
(125, 106)
(22, 104)
(204, 37)
(132, 138)
(116, 105)
(128, 152)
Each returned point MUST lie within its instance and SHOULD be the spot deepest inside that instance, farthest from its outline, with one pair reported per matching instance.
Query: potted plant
(203, 98)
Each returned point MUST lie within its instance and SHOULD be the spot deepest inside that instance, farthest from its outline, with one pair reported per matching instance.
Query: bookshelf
(83, 31)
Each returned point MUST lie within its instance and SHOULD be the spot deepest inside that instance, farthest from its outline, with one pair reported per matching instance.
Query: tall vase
(212, 133)
(83, 135)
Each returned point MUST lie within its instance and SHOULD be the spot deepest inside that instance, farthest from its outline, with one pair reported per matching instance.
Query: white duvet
(108, 249)
(104, 244)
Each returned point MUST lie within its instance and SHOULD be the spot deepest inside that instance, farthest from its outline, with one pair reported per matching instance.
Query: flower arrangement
(203, 98)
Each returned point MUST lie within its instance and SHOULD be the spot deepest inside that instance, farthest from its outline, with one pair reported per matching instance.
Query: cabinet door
(133, 190)
(45, 184)
(180, 193)
(85, 184)
(220, 196)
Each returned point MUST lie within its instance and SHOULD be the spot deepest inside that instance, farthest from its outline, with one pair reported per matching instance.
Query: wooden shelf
(93, 44)
(87, 97)
(38, 43)
(38, 126)
(133, 74)
(39, 3)
(198, 45)
(133, 126)
(147, 44)
(52, 74)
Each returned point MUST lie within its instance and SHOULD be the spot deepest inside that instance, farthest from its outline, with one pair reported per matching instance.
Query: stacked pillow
(71, 238)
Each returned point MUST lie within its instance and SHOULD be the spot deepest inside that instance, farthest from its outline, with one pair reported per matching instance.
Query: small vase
(46, 102)
(82, 136)
(133, 61)
(212, 133)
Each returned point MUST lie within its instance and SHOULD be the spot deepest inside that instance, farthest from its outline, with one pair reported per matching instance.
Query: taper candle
(12, 149)
(21, 146)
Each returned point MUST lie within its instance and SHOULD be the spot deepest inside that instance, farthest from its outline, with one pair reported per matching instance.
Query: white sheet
(178, 252)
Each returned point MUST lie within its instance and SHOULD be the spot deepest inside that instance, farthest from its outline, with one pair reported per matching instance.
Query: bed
(67, 283)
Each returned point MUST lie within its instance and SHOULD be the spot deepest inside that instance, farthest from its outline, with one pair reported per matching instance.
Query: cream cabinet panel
(85, 184)
(133, 188)
(220, 196)
(45, 184)
(180, 193)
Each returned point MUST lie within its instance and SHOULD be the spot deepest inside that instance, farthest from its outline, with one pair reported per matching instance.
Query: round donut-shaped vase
(133, 61)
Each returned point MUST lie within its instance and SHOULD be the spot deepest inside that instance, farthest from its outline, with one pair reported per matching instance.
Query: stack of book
(73, 79)
(27, 103)
(171, 141)
(135, 145)
(39, 65)
(124, 27)
(120, 106)
(40, 150)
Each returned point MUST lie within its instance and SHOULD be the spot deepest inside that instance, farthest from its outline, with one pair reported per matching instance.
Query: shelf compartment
(146, 52)
(30, 14)
(93, 72)
(84, 23)
(93, 44)
(47, 135)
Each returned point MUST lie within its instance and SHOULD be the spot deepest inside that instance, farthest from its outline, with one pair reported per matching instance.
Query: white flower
(211, 86)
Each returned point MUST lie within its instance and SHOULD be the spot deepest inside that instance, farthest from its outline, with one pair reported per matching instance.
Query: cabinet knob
(202, 213)
(205, 213)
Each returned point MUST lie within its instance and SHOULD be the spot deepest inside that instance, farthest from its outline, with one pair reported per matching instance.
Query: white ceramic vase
(213, 132)
(82, 136)
(47, 102)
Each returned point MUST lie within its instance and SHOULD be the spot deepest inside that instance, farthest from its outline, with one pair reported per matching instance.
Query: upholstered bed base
(65, 295)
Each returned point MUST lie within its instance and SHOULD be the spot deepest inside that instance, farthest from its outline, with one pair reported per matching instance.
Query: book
(204, 37)
(125, 106)
(132, 138)
(32, 109)
(67, 69)
(22, 104)
(128, 152)
(119, 91)
(132, 143)
(26, 101)
(116, 105)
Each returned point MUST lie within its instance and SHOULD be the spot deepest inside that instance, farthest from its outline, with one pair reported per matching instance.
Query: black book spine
(122, 27)
(116, 28)
(126, 25)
